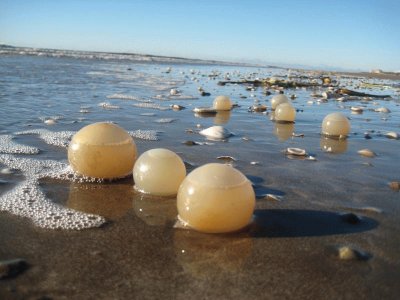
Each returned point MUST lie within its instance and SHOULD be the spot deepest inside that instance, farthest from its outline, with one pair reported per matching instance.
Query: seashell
(312, 158)
(177, 107)
(216, 132)
(273, 197)
(383, 110)
(247, 139)
(174, 92)
(50, 122)
(255, 163)
(298, 134)
(205, 110)
(296, 151)
(392, 135)
(366, 153)
(310, 102)
(357, 109)
(258, 108)
(226, 158)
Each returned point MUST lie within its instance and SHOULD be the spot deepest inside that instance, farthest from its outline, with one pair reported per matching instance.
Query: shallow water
(73, 93)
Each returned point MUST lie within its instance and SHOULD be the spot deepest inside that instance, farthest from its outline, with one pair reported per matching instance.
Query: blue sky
(346, 34)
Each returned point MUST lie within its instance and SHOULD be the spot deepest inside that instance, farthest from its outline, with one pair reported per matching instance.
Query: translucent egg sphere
(216, 198)
(222, 103)
(159, 172)
(285, 112)
(336, 125)
(278, 99)
(102, 150)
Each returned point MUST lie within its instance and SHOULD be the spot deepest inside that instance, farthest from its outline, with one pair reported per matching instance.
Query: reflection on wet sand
(204, 254)
(283, 131)
(155, 211)
(222, 117)
(331, 145)
(110, 200)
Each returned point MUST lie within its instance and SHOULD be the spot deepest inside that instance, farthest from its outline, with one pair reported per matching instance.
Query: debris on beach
(392, 135)
(395, 185)
(190, 143)
(216, 132)
(177, 107)
(226, 158)
(50, 122)
(366, 153)
(383, 110)
(349, 253)
(296, 151)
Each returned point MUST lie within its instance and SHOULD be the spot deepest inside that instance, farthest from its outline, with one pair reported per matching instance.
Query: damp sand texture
(322, 228)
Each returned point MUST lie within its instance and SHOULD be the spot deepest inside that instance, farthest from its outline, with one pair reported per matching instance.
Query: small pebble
(177, 107)
(255, 163)
(347, 253)
(366, 153)
(392, 135)
(190, 143)
(12, 267)
(395, 185)
(50, 122)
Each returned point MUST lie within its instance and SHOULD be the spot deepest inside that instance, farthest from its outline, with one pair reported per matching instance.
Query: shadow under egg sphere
(102, 150)
(285, 112)
(336, 125)
(222, 103)
(278, 99)
(216, 198)
(159, 172)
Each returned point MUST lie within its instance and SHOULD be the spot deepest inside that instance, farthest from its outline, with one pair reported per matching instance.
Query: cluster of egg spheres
(336, 125)
(222, 103)
(214, 198)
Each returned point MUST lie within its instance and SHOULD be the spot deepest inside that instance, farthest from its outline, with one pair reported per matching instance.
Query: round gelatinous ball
(102, 150)
(336, 125)
(216, 198)
(285, 112)
(222, 103)
(278, 99)
(159, 172)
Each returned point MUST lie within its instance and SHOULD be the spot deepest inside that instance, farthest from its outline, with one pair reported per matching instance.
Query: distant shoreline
(148, 58)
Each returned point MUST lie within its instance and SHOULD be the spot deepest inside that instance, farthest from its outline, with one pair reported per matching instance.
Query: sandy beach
(306, 210)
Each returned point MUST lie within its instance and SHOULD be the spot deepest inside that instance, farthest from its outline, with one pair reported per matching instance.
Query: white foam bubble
(127, 97)
(27, 200)
(149, 135)
(8, 146)
(108, 105)
(59, 139)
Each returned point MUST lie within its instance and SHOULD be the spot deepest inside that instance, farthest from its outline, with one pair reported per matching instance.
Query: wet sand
(289, 251)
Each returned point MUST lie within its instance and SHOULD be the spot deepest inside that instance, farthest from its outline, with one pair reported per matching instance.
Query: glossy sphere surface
(222, 103)
(336, 124)
(278, 99)
(285, 112)
(159, 172)
(102, 150)
(216, 198)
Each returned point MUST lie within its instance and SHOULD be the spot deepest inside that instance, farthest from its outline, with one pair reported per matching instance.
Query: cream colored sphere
(222, 103)
(336, 125)
(102, 150)
(278, 99)
(159, 172)
(285, 112)
(216, 198)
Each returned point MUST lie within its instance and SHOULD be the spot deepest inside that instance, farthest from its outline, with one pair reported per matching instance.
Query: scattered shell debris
(366, 153)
